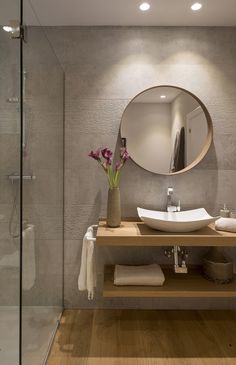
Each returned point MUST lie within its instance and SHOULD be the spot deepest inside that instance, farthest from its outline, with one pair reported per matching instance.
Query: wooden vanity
(134, 233)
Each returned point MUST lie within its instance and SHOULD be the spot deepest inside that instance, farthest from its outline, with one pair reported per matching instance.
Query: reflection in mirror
(167, 130)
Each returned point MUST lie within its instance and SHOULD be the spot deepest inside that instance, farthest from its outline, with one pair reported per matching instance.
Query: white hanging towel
(87, 276)
(29, 265)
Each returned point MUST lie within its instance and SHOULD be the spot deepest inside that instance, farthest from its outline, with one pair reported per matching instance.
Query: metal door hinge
(20, 33)
(16, 30)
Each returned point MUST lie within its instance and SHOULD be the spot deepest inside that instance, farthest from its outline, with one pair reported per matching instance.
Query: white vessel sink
(185, 221)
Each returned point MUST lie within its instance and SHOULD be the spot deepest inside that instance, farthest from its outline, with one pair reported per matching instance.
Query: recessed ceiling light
(196, 6)
(163, 96)
(144, 6)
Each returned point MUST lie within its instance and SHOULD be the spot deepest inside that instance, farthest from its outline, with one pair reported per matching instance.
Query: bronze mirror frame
(209, 139)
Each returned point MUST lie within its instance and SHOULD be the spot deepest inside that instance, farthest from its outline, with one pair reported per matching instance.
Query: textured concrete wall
(105, 68)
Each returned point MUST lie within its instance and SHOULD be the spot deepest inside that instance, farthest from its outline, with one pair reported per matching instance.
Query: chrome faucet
(179, 254)
(170, 206)
(169, 198)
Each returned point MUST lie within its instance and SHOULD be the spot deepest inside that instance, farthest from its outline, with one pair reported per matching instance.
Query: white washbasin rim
(206, 216)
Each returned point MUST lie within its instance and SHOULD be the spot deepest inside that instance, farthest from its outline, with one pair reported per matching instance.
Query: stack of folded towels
(148, 275)
(226, 224)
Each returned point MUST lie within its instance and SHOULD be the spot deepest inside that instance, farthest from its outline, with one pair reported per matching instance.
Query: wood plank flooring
(134, 337)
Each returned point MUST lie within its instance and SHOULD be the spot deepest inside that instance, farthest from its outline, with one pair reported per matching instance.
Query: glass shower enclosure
(31, 181)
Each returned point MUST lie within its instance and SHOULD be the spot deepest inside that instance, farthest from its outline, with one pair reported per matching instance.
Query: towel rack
(14, 177)
(93, 226)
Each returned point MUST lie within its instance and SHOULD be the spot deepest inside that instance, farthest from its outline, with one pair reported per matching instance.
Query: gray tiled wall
(105, 67)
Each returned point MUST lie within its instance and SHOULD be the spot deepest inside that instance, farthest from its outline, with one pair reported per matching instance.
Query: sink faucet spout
(170, 191)
(176, 249)
(170, 206)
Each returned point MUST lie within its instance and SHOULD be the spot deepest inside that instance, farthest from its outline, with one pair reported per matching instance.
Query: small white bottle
(233, 214)
(225, 213)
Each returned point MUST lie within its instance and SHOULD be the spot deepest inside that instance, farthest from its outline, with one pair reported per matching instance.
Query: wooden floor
(133, 337)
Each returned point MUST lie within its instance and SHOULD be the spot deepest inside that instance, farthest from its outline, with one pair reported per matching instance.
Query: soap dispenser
(225, 213)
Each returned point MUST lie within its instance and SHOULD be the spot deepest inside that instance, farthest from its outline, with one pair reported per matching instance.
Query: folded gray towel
(226, 224)
(147, 275)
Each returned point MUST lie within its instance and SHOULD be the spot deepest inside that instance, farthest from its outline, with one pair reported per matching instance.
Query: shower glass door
(42, 189)
(10, 147)
(31, 187)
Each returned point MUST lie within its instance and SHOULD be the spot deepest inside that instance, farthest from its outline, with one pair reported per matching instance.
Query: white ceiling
(121, 12)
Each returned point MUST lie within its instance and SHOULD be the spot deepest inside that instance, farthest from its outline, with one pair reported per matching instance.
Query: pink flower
(124, 154)
(108, 162)
(119, 165)
(107, 154)
(104, 158)
(104, 165)
(95, 155)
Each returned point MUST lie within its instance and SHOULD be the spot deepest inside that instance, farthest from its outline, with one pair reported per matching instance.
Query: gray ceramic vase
(113, 208)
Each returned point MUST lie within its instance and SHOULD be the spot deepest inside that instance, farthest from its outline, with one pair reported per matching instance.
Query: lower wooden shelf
(191, 285)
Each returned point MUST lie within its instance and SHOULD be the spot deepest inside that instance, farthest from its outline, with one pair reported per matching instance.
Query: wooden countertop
(133, 233)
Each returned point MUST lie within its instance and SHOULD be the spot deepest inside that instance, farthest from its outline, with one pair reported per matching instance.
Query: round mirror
(166, 129)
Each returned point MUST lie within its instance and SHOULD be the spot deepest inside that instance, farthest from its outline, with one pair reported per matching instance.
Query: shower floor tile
(38, 325)
(9, 335)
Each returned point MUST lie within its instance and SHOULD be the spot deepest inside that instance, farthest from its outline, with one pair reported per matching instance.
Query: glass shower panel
(43, 115)
(9, 186)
